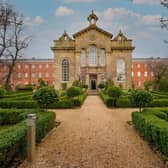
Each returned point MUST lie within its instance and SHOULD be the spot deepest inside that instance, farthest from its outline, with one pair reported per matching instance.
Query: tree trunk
(7, 82)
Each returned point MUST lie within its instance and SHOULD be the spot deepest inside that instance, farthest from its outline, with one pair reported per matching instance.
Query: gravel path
(94, 137)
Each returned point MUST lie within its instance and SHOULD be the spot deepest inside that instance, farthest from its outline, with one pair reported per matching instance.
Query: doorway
(93, 84)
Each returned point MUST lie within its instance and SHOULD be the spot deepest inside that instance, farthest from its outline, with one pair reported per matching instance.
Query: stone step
(93, 92)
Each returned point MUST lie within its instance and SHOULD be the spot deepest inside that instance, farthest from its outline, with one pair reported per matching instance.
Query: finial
(92, 11)
(64, 31)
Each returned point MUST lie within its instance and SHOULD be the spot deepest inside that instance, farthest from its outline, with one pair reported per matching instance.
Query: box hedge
(13, 139)
(152, 125)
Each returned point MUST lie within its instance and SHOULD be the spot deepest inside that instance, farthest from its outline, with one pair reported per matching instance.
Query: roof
(92, 27)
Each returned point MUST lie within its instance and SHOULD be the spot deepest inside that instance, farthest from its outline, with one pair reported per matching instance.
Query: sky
(139, 20)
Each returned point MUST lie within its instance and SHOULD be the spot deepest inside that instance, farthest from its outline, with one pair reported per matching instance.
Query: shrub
(77, 83)
(152, 126)
(45, 96)
(41, 83)
(140, 98)
(64, 86)
(78, 100)
(2, 92)
(62, 104)
(163, 85)
(18, 104)
(25, 87)
(148, 85)
(13, 139)
(101, 85)
(114, 93)
(73, 91)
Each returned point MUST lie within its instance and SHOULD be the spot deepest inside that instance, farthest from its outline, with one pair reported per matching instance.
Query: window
(65, 70)
(146, 65)
(102, 57)
(26, 75)
(26, 66)
(47, 75)
(40, 75)
(19, 75)
(40, 66)
(132, 74)
(120, 70)
(33, 66)
(145, 74)
(19, 66)
(93, 56)
(33, 75)
(139, 83)
(138, 74)
(83, 57)
(46, 65)
(138, 65)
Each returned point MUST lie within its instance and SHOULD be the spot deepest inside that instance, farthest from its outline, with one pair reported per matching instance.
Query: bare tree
(159, 68)
(14, 41)
(6, 13)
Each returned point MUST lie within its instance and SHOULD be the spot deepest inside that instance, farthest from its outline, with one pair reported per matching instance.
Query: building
(28, 71)
(93, 56)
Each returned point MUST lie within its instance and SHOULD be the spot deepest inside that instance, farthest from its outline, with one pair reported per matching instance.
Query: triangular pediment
(92, 27)
(65, 37)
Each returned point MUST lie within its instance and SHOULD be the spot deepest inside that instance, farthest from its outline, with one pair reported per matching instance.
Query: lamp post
(31, 136)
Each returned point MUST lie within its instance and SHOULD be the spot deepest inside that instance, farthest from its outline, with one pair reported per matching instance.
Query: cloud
(151, 2)
(79, 1)
(38, 20)
(151, 19)
(63, 11)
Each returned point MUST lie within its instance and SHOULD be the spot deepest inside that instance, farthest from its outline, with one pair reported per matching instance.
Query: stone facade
(118, 48)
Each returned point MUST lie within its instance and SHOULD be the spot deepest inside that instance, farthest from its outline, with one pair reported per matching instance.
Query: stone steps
(93, 92)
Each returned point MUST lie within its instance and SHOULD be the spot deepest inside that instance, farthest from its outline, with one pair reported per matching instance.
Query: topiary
(73, 91)
(101, 85)
(140, 98)
(114, 92)
(2, 92)
(45, 96)
(77, 83)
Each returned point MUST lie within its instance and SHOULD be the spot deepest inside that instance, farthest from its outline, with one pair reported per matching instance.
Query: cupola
(92, 18)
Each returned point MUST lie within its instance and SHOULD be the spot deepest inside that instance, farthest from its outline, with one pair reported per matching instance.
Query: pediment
(92, 27)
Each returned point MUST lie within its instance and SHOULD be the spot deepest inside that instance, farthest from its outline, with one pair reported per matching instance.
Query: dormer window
(65, 38)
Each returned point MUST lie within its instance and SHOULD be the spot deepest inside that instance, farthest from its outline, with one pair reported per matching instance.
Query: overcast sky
(46, 20)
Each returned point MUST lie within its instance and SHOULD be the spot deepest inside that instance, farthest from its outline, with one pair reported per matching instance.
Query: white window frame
(65, 70)
(102, 57)
(139, 74)
(93, 56)
(83, 57)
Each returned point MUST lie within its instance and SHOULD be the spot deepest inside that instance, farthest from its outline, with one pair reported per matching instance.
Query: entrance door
(93, 84)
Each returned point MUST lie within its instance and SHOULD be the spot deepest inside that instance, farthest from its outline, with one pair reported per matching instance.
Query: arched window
(93, 56)
(102, 57)
(120, 70)
(65, 70)
(83, 57)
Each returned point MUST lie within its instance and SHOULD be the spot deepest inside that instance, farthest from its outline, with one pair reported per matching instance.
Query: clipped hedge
(159, 103)
(78, 100)
(121, 102)
(153, 126)
(61, 104)
(13, 139)
(18, 104)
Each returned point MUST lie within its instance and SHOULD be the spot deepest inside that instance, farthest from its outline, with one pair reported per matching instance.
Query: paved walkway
(94, 137)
